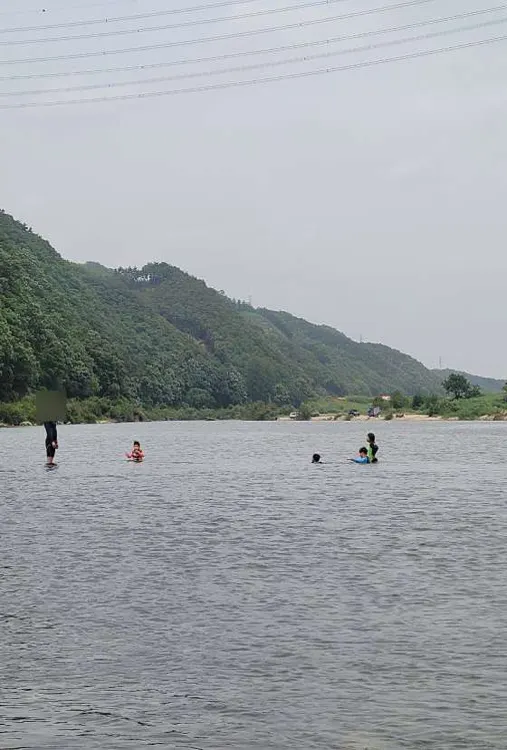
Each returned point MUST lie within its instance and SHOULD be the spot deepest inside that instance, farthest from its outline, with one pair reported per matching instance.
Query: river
(229, 594)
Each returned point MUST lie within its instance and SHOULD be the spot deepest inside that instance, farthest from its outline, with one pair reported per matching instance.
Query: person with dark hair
(362, 458)
(137, 453)
(51, 442)
(316, 458)
(372, 448)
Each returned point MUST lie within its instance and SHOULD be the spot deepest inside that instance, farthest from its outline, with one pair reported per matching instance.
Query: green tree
(281, 395)
(504, 389)
(304, 412)
(457, 385)
(417, 401)
(432, 405)
(398, 400)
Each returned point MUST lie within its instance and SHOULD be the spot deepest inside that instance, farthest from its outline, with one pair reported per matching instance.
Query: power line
(256, 66)
(60, 8)
(247, 53)
(196, 22)
(218, 38)
(134, 17)
(257, 81)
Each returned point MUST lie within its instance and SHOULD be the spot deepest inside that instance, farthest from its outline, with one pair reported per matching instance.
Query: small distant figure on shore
(372, 448)
(51, 442)
(137, 453)
(316, 458)
(362, 457)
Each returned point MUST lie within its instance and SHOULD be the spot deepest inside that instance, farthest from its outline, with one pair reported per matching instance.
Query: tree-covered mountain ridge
(160, 337)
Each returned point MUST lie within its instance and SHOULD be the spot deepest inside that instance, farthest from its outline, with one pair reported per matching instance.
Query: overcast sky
(370, 199)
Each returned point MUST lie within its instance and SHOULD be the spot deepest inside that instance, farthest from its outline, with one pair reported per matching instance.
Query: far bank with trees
(463, 401)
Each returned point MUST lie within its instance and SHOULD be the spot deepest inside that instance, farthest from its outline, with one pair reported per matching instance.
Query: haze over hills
(158, 336)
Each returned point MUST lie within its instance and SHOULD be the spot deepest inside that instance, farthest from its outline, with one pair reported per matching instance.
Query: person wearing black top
(51, 441)
(372, 448)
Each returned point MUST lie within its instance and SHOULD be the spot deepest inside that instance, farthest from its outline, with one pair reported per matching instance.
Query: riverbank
(97, 410)
(488, 407)
(485, 407)
(499, 417)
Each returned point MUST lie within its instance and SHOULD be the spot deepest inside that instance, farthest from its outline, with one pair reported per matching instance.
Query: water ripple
(228, 594)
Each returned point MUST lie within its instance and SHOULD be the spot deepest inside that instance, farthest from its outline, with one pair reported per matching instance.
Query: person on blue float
(362, 457)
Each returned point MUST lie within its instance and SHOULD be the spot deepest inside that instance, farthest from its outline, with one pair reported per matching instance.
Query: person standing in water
(372, 448)
(51, 441)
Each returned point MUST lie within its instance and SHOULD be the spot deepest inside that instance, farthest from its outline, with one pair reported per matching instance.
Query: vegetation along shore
(490, 406)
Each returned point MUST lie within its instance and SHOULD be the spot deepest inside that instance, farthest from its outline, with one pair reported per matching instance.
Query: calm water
(228, 594)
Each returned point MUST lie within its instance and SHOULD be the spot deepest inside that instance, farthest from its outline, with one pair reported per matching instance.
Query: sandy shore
(404, 418)
(364, 418)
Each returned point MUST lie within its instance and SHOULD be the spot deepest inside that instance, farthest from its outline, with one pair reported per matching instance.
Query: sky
(370, 198)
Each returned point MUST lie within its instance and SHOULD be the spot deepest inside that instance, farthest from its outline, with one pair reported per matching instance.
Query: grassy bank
(93, 410)
(491, 405)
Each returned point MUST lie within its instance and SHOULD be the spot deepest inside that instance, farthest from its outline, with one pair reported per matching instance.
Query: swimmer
(362, 457)
(137, 453)
(316, 458)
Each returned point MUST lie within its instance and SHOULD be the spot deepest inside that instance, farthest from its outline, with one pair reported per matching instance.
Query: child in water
(372, 448)
(137, 453)
(362, 458)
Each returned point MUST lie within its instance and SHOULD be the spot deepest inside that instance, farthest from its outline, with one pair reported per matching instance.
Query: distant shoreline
(320, 418)
(365, 418)
(402, 418)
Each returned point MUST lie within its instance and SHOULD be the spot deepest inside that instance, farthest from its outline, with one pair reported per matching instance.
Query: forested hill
(158, 336)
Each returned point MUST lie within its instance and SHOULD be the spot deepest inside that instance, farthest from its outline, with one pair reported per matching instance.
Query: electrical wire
(60, 8)
(217, 38)
(134, 17)
(247, 53)
(255, 66)
(257, 81)
(198, 22)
